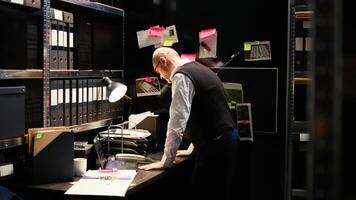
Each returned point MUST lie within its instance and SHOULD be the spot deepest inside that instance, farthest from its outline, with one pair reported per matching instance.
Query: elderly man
(199, 111)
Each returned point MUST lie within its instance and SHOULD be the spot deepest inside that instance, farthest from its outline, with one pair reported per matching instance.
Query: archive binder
(61, 53)
(73, 102)
(67, 92)
(95, 100)
(56, 37)
(51, 155)
(33, 3)
(99, 100)
(69, 46)
(68, 17)
(54, 45)
(60, 103)
(90, 100)
(106, 104)
(80, 101)
(85, 101)
(65, 46)
(53, 103)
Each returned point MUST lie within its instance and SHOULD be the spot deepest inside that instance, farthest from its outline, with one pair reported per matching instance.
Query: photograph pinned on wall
(207, 43)
(148, 86)
(257, 50)
(169, 38)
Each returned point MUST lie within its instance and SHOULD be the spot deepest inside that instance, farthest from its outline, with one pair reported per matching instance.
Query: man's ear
(163, 60)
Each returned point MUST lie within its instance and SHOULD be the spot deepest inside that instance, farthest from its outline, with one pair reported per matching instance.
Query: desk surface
(142, 179)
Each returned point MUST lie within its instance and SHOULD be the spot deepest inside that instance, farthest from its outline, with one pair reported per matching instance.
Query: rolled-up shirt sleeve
(179, 111)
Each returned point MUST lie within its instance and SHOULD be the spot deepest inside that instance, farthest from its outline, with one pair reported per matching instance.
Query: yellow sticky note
(39, 136)
(247, 46)
(168, 42)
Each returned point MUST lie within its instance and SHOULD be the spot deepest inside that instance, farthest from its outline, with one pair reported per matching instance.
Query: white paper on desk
(137, 118)
(126, 134)
(93, 185)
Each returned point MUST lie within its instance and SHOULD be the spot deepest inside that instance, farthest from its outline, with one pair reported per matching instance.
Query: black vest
(210, 115)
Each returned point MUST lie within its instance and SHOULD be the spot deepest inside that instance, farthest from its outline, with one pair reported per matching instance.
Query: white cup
(80, 166)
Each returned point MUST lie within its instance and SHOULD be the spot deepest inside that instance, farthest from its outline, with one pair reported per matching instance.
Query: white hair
(167, 52)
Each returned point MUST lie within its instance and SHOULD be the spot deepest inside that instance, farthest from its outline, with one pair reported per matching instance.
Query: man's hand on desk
(156, 165)
(183, 153)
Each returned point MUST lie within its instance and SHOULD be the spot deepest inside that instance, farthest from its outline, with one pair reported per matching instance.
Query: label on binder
(21, 2)
(58, 15)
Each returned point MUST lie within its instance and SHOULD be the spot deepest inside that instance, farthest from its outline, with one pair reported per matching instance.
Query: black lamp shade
(115, 90)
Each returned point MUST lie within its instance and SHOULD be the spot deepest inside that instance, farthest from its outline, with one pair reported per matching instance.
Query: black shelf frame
(92, 6)
(297, 132)
(13, 142)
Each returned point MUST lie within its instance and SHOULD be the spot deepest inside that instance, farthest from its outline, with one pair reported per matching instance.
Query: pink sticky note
(206, 33)
(148, 79)
(190, 57)
(156, 31)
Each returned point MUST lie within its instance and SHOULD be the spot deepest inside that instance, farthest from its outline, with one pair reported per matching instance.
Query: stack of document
(103, 183)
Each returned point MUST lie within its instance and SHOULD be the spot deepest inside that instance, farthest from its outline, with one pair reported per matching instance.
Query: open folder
(51, 152)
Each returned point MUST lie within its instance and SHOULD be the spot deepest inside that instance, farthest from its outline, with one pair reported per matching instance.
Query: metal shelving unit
(297, 132)
(44, 74)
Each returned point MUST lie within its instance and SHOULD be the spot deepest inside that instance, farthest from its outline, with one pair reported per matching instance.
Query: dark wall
(235, 22)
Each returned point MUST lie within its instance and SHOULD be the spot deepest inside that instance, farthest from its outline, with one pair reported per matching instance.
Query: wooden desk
(142, 181)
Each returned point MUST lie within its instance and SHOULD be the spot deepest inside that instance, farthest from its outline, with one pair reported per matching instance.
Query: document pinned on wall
(190, 57)
(144, 40)
(157, 36)
(257, 50)
(208, 43)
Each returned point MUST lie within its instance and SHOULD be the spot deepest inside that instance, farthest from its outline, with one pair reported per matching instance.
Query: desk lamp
(115, 92)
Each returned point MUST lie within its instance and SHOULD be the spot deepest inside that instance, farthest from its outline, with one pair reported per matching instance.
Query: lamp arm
(231, 58)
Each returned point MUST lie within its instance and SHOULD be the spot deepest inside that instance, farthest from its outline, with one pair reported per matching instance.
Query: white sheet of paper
(93, 185)
(127, 133)
(137, 118)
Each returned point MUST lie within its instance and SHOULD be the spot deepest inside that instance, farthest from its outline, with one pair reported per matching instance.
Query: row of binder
(78, 101)
(61, 40)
